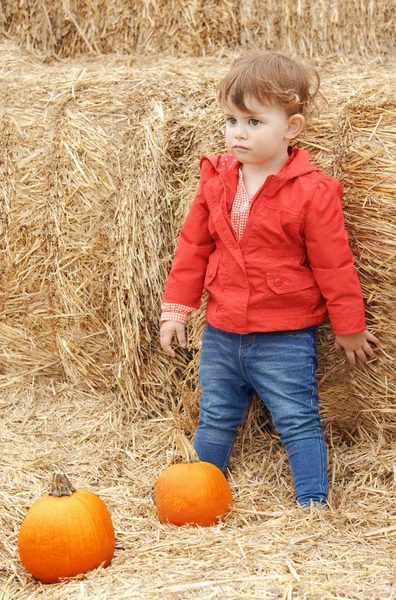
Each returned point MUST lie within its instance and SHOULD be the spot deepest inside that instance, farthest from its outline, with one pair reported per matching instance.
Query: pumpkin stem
(186, 448)
(61, 486)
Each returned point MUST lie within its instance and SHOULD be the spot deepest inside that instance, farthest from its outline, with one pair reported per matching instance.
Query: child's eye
(254, 122)
(231, 121)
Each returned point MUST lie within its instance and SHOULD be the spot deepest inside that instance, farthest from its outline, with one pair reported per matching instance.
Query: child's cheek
(228, 139)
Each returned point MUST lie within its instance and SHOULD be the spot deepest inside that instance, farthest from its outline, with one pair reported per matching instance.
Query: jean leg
(282, 369)
(225, 395)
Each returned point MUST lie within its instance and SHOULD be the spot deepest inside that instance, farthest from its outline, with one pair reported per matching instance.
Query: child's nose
(240, 131)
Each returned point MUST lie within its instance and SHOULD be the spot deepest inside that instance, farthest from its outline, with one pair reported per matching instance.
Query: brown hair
(270, 78)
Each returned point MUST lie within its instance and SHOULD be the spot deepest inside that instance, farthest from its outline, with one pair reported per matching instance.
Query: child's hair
(270, 78)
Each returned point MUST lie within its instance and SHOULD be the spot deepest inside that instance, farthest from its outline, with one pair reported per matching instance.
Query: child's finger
(168, 350)
(181, 336)
(372, 338)
(351, 357)
(368, 350)
(360, 353)
(166, 343)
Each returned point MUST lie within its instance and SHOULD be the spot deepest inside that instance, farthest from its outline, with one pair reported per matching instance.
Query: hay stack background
(100, 166)
(69, 28)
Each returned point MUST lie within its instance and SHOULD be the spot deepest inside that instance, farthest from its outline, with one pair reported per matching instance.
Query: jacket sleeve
(331, 259)
(195, 245)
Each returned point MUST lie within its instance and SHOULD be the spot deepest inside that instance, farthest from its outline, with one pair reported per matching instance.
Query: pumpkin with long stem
(65, 533)
(193, 492)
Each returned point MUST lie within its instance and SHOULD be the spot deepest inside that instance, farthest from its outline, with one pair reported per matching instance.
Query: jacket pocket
(211, 272)
(290, 280)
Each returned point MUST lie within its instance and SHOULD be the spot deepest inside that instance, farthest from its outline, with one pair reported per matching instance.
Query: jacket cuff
(177, 317)
(175, 312)
(348, 324)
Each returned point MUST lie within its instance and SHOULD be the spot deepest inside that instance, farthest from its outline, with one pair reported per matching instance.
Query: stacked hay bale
(99, 163)
(99, 166)
(362, 400)
(89, 192)
(199, 27)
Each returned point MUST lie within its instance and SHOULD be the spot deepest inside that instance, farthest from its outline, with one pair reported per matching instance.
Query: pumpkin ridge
(70, 525)
(75, 523)
(84, 516)
(60, 551)
(91, 501)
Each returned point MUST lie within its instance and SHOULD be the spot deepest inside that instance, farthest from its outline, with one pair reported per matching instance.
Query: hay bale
(367, 136)
(362, 400)
(196, 28)
(100, 163)
(88, 195)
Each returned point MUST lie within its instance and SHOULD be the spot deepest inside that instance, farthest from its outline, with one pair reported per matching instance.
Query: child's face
(261, 135)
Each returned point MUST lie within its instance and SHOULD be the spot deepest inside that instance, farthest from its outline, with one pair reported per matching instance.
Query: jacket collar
(220, 191)
(297, 164)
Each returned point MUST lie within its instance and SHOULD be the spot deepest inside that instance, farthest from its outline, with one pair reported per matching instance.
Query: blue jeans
(280, 367)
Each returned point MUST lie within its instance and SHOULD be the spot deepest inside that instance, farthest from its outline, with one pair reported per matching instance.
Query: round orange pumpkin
(65, 533)
(192, 493)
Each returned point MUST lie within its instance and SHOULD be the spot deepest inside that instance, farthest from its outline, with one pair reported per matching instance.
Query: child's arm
(168, 330)
(195, 244)
(331, 262)
(356, 345)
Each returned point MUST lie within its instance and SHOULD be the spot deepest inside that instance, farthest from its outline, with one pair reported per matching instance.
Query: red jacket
(293, 266)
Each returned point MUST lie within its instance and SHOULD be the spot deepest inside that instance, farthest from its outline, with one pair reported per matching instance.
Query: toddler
(265, 237)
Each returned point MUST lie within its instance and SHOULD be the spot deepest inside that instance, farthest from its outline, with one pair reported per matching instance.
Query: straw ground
(265, 548)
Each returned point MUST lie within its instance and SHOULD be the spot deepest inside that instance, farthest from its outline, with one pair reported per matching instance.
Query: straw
(265, 548)
(308, 28)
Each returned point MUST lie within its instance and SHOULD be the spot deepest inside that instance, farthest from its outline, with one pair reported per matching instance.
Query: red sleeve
(195, 245)
(331, 259)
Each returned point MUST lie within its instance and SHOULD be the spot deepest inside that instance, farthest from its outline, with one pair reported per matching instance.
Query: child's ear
(295, 124)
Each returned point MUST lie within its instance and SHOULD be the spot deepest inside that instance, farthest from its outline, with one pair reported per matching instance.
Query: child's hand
(168, 330)
(357, 345)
